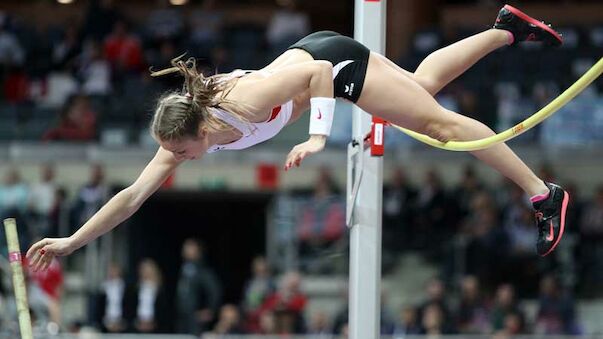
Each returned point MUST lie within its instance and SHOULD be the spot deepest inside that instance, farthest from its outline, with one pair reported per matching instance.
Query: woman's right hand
(40, 254)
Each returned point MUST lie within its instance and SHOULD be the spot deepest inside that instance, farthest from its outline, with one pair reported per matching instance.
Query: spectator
(148, 303)
(469, 186)
(575, 208)
(321, 224)
(505, 305)
(123, 50)
(101, 15)
(521, 234)
(14, 197)
(518, 264)
(399, 198)
(473, 312)
(59, 215)
(514, 205)
(111, 313)
(319, 327)
(46, 289)
(407, 324)
(556, 310)
(77, 122)
(165, 22)
(42, 200)
(288, 304)
(590, 251)
(94, 71)
(11, 51)
(206, 26)
(436, 294)
(198, 294)
(340, 320)
(88, 200)
(287, 25)
(66, 51)
(267, 324)
(256, 290)
(229, 321)
(14, 194)
(60, 87)
(16, 87)
(513, 325)
(432, 214)
(487, 243)
(592, 219)
(432, 321)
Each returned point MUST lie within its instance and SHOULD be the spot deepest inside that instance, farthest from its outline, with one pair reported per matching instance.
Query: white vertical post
(365, 238)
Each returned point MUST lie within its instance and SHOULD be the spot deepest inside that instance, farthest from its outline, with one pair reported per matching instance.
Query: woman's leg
(404, 99)
(404, 102)
(444, 65)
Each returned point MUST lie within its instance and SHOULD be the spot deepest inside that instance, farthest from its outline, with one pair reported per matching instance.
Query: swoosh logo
(319, 114)
(551, 235)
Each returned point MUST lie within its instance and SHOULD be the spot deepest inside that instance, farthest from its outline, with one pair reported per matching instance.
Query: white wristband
(321, 115)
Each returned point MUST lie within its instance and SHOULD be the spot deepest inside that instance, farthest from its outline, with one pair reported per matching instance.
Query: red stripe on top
(14, 257)
(533, 21)
(275, 111)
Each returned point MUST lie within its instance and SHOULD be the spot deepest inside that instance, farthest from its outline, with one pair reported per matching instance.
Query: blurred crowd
(488, 229)
(489, 232)
(88, 79)
(74, 81)
(86, 75)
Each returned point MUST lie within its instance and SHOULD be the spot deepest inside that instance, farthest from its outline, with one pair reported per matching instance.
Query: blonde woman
(243, 108)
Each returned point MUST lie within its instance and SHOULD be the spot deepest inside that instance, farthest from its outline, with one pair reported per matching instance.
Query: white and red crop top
(254, 132)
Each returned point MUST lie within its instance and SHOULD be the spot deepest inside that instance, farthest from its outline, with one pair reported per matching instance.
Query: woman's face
(186, 149)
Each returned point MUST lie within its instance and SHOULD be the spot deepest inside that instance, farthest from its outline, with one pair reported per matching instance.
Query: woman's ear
(202, 132)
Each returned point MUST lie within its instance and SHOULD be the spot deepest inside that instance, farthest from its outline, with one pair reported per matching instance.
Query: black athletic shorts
(348, 56)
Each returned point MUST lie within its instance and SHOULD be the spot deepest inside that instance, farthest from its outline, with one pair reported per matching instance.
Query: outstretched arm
(115, 211)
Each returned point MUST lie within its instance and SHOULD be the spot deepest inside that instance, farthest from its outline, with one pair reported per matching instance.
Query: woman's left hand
(315, 144)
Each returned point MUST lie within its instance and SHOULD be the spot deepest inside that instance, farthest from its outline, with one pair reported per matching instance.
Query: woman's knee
(432, 86)
(440, 128)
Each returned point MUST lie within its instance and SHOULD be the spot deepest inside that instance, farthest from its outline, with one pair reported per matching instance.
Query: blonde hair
(180, 115)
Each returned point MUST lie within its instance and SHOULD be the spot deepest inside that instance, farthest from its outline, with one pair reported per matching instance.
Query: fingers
(46, 261)
(35, 248)
(299, 159)
(290, 160)
(295, 159)
(39, 255)
(43, 260)
(38, 259)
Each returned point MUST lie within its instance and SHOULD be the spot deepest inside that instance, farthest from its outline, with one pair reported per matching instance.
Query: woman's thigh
(428, 84)
(398, 98)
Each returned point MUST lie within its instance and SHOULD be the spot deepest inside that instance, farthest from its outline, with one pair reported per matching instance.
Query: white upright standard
(364, 192)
